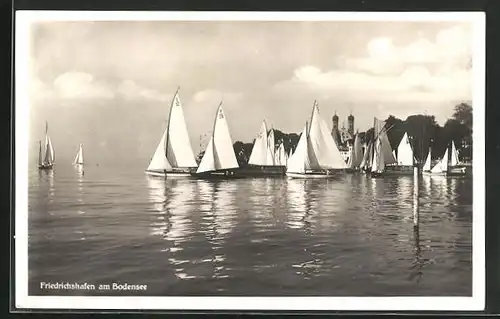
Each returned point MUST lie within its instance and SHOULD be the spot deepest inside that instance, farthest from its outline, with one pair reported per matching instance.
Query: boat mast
(168, 122)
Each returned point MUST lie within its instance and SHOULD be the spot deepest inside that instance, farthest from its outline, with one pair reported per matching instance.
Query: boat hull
(169, 174)
(313, 175)
(457, 171)
(428, 173)
(399, 170)
(263, 171)
(219, 175)
(46, 166)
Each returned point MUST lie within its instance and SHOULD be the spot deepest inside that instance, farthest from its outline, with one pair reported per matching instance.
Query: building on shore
(343, 137)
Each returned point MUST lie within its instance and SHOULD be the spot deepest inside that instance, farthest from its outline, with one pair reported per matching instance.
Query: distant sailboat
(265, 159)
(280, 155)
(441, 168)
(427, 164)
(48, 160)
(316, 153)
(367, 156)
(382, 152)
(405, 159)
(174, 155)
(79, 156)
(219, 158)
(356, 155)
(455, 168)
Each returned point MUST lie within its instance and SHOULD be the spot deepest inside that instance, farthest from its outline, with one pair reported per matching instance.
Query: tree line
(423, 132)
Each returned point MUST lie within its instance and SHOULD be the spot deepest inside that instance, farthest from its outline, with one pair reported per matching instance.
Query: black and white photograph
(250, 160)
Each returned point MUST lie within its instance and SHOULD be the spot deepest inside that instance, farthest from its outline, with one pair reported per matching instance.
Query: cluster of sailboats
(315, 156)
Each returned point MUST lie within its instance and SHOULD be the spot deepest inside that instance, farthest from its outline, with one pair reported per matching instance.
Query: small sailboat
(219, 159)
(382, 153)
(174, 156)
(405, 159)
(355, 156)
(48, 160)
(79, 156)
(441, 168)
(316, 154)
(365, 165)
(455, 168)
(264, 159)
(427, 165)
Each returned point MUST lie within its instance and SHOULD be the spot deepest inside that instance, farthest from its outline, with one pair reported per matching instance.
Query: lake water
(350, 236)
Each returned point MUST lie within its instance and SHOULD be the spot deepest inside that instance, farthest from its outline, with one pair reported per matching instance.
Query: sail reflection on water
(298, 203)
(79, 175)
(158, 198)
(263, 197)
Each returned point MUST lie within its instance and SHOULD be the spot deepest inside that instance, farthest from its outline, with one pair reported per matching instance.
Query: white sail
(442, 166)
(79, 155)
(358, 151)
(49, 151)
(394, 154)
(327, 154)
(179, 150)
(351, 161)
(40, 153)
(365, 162)
(454, 155)
(271, 149)
(378, 164)
(281, 155)
(381, 132)
(219, 154)
(260, 149)
(405, 152)
(159, 160)
(299, 161)
(427, 165)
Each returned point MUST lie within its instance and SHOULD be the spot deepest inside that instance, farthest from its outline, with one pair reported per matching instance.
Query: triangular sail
(378, 164)
(427, 164)
(405, 152)
(323, 146)
(159, 160)
(381, 132)
(281, 155)
(365, 162)
(454, 155)
(79, 155)
(299, 161)
(271, 149)
(358, 151)
(260, 149)
(442, 166)
(179, 151)
(219, 154)
(49, 149)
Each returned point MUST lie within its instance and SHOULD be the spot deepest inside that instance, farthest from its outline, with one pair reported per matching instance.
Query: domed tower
(350, 125)
(335, 122)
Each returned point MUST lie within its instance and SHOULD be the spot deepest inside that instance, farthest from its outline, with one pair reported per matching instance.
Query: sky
(109, 85)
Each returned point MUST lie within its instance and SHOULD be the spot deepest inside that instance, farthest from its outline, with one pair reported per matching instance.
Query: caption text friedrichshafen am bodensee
(86, 286)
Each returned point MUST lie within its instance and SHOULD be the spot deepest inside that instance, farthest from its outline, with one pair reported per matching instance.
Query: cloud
(74, 85)
(132, 91)
(422, 71)
(215, 96)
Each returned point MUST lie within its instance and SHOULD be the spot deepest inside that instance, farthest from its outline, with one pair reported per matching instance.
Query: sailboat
(219, 159)
(427, 165)
(441, 168)
(316, 154)
(174, 155)
(264, 159)
(47, 161)
(382, 152)
(365, 165)
(405, 159)
(79, 156)
(355, 156)
(455, 168)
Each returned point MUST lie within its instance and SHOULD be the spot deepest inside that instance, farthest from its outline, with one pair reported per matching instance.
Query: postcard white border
(23, 20)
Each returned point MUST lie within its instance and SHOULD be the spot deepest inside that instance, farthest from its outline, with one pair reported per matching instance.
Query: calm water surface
(352, 236)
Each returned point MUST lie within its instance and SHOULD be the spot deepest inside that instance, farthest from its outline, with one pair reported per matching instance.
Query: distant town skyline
(108, 81)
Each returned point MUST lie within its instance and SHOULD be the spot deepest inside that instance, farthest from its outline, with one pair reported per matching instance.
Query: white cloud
(132, 91)
(422, 71)
(75, 85)
(215, 96)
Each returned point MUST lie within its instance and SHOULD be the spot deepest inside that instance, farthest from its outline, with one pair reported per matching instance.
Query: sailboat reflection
(418, 262)
(219, 212)
(299, 202)
(81, 204)
(262, 197)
